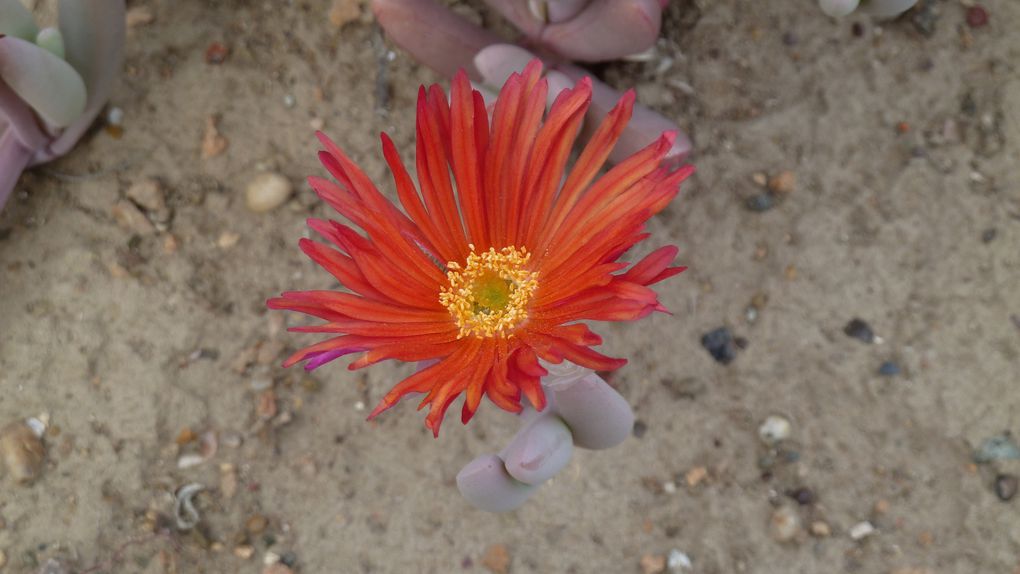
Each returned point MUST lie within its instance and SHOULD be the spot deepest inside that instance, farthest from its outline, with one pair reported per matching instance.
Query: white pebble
(774, 430)
(115, 116)
(266, 192)
(678, 561)
(669, 487)
(359, 406)
(190, 460)
(38, 424)
(861, 530)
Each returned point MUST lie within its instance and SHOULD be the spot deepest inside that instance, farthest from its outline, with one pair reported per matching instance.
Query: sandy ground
(905, 213)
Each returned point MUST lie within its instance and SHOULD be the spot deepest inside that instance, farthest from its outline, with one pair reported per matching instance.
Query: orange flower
(491, 271)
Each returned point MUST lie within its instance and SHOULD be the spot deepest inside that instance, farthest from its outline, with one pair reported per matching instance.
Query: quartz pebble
(861, 530)
(784, 524)
(678, 561)
(774, 429)
(266, 192)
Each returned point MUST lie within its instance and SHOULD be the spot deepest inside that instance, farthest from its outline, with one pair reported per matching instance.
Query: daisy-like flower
(488, 271)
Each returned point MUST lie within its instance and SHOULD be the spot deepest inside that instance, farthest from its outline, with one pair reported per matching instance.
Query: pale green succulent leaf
(45, 82)
(16, 20)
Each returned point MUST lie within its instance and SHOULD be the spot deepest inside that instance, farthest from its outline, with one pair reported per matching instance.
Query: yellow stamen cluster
(489, 294)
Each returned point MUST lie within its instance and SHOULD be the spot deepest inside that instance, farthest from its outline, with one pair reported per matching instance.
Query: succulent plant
(877, 8)
(53, 81)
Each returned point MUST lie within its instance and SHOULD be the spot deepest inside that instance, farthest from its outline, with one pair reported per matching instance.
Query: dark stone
(977, 16)
(719, 343)
(790, 39)
(289, 559)
(640, 428)
(803, 495)
(859, 330)
(857, 29)
(926, 14)
(989, 235)
(889, 369)
(1005, 487)
(761, 202)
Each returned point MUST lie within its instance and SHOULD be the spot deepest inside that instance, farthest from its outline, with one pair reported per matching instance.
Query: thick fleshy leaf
(51, 40)
(14, 157)
(16, 20)
(50, 85)
(93, 32)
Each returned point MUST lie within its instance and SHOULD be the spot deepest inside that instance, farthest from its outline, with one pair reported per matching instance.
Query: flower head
(495, 268)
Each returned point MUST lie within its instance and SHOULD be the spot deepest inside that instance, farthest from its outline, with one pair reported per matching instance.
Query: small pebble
(216, 53)
(22, 452)
(889, 369)
(719, 343)
(289, 101)
(115, 116)
(857, 29)
(228, 239)
(784, 524)
(977, 16)
(256, 524)
(696, 476)
(751, 314)
(244, 551)
(859, 330)
(988, 235)
(267, 191)
(343, 12)
(653, 563)
(496, 559)
(189, 461)
(803, 495)
(228, 480)
(640, 428)
(678, 561)
(139, 16)
(761, 202)
(213, 142)
(783, 182)
(1001, 447)
(790, 39)
(820, 529)
(131, 218)
(277, 568)
(265, 404)
(861, 530)
(925, 16)
(148, 194)
(1005, 487)
(774, 430)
